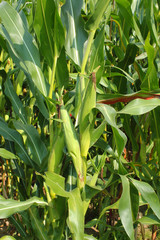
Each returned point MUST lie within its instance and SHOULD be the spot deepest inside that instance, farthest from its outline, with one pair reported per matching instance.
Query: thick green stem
(81, 182)
(53, 76)
(85, 58)
(49, 200)
(50, 161)
(30, 176)
(51, 132)
(50, 120)
(89, 44)
(50, 95)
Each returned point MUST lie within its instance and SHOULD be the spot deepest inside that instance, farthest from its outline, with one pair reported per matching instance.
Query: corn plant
(79, 118)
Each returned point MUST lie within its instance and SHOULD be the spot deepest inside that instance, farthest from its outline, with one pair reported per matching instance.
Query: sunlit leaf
(37, 223)
(149, 220)
(10, 206)
(6, 154)
(140, 106)
(72, 141)
(76, 35)
(125, 210)
(149, 195)
(14, 136)
(22, 45)
(109, 114)
(7, 238)
(16, 103)
(35, 145)
(49, 29)
(94, 20)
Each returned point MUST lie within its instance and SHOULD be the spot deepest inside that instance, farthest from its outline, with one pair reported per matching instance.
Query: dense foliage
(79, 118)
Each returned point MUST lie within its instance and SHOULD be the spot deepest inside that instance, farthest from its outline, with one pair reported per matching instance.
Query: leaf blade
(125, 210)
(22, 44)
(10, 206)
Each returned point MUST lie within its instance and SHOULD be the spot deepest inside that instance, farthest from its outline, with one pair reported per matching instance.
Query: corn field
(79, 119)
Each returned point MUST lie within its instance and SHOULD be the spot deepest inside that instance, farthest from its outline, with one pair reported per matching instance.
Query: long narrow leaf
(149, 195)
(10, 206)
(6, 154)
(76, 35)
(125, 210)
(93, 22)
(151, 21)
(49, 29)
(72, 141)
(7, 237)
(37, 224)
(76, 217)
(36, 147)
(140, 106)
(109, 114)
(16, 103)
(75, 204)
(14, 136)
(23, 45)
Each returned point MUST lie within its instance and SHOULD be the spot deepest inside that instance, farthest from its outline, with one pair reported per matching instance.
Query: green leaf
(37, 224)
(62, 74)
(149, 220)
(97, 132)
(137, 30)
(78, 99)
(76, 36)
(56, 183)
(49, 29)
(43, 25)
(76, 214)
(113, 206)
(140, 106)
(22, 45)
(109, 114)
(14, 136)
(2, 40)
(16, 103)
(134, 195)
(7, 238)
(34, 143)
(10, 206)
(150, 81)
(18, 225)
(94, 20)
(56, 152)
(59, 37)
(151, 20)
(155, 128)
(75, 205)
(91, 190)
(89, 237)
(126, 16)
(86, 116)
(6, 154)
(125, 210)
(26, 220)
(71, 182)
(97, 55)
(149, 195)
(128, 59)
(72, 142)
(39, 100)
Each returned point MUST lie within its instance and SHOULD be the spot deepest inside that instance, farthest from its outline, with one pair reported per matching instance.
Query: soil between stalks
(6, 228)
